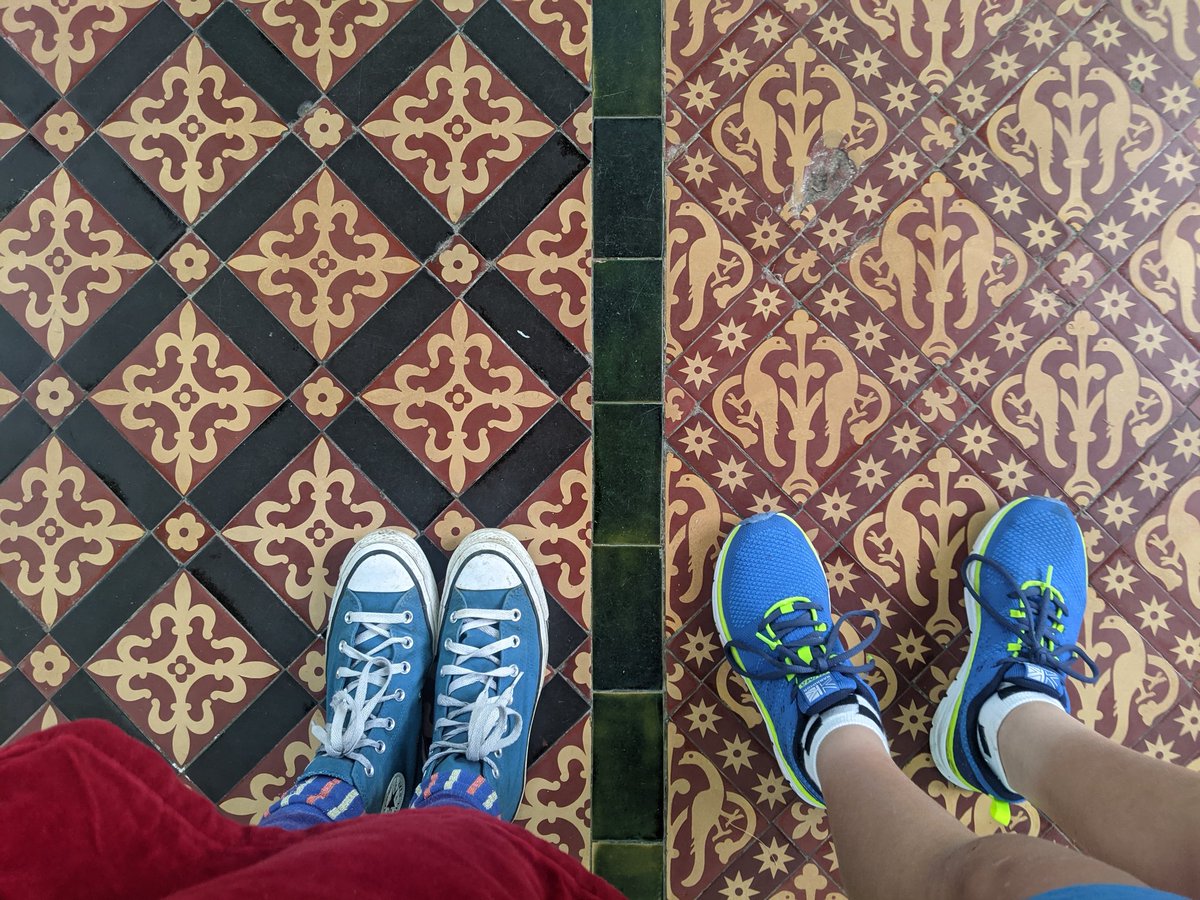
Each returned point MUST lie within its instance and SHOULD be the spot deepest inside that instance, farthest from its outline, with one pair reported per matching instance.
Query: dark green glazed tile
(627, 766)
(627, 201)
(627, 324)
(628, 448)
(627, 618)
(636, 870)
(627, 42)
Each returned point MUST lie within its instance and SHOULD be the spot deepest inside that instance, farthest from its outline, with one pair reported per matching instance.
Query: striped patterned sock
(456, 787)
(314, 801)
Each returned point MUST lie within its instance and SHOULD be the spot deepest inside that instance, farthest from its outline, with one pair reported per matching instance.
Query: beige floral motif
(176, 667)
(445, 385)
(318, 273)
(190, 262)
(312, 673)
(324, 127)
(413, 127)
(582, 121)
(184, 532)
(76, 258)
(322, 492)
(562, 817)
(10, 131)
(580, 401)
(54, 396)
(147, 397)
(322, 396)
(458, 264)
(565, 277)
(7, 397)
(266, 787)
(66, 534)
(50, 665)
(65, 34)
(451, 528)
(560, 545)
(190, 8)
(326, 32)
(63, 130)
(211, 111)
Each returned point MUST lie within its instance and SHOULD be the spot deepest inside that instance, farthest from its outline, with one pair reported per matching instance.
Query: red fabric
(89, 811)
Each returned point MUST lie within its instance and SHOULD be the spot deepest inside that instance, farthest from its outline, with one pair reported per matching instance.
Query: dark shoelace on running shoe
(1035, 629)
(783, 660)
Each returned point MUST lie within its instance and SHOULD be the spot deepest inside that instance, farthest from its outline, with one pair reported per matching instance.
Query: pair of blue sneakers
(484, 644)
(1026, 588)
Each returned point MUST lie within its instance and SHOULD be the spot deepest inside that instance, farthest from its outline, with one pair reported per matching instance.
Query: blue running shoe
(1026, 589)
(491, 654)
(771, 606)
(379, 647)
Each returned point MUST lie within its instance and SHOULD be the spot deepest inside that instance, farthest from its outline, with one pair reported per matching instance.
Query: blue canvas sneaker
(771, 606)
(379, 647)
(1026, 590)
(491, 654)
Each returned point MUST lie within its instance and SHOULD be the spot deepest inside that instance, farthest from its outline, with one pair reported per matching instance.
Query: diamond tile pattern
(239, 328)
(921, 259)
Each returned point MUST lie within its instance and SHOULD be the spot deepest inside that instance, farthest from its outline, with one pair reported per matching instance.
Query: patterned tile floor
(922, 258)
(273, 274)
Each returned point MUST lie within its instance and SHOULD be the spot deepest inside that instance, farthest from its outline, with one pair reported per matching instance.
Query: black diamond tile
(23, 431)
(564, 634)
(22, 88)
(21, 170)
(82, 698)
(559, 708)
(20, 631)
(259, 62)
(122, 193)
(19, 700)
(22, 359)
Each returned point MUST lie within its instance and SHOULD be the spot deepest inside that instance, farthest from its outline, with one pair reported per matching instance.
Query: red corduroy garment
(87, 811)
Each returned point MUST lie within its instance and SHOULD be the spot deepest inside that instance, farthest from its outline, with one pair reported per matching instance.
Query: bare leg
(894, 841)
(1134, 812)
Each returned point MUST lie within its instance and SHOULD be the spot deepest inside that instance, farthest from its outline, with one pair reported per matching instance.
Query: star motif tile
(185, 396)
(192, 129)
(457, 127)
(61, 529)
(63, 261)
(457, 397)
(181, 645)
(323, 264)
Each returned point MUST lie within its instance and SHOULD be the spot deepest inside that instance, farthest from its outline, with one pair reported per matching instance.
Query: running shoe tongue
(819, 692)
(1034, 678)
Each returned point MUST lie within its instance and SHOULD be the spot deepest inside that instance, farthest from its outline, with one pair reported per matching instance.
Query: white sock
(991, 716)
(853, 711)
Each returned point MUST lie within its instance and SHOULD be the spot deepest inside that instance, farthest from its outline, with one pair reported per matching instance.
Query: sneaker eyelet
(406, 642)
(454, 616)
(391, 725)
(400, 695)
(405, 668)
(446, 645)
(369, 769)
(346, 618)
(409, 619)
(516, 641)
(380, 746)
(341, 646)
(516, 615)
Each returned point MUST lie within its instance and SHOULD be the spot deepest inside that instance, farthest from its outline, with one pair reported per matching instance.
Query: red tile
(1158, 617)
(578, 669)
(557, 804)
(677, 406)
(551, 261)
(65, 41)
(11, 129)
(191, 263)
(323, 128)
(326, 40)
(61, 529)
(1159, 268)
(48, 667)
(309, 669)
(9, 395)
(1127, 48)
(564, 28)
(555, 525)
(185, 396)
(194, 11)
(54, 395)
(689, 38)
(192, 129)
(456, 128)
(182, 668)
(297, 529)
(578, 398)
(323, 264)
(64, 261)
(60, 130)
(1164, 542)
(184, 532)
(46, 717)
(249, 800)
(726, 467)
(458, 397)
(458, 265)
(322, 397)
(579, 127)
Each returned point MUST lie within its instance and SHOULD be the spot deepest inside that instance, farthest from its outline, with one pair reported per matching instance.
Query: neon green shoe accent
(1002, 812)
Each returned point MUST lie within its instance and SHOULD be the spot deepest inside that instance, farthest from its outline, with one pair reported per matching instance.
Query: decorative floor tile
(63, 261)
(206, 263)
(192, 129)
(964, 300)
(182, 641)
(457, 128)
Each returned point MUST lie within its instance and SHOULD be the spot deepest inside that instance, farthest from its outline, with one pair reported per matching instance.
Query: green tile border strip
(628, 737)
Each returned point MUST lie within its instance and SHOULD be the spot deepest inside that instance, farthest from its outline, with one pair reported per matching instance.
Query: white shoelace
(483, 727)
(352, 708)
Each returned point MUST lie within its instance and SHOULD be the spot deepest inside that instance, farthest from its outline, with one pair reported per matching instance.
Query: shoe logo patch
(393, 799)
(1042, 676)
(816, 688)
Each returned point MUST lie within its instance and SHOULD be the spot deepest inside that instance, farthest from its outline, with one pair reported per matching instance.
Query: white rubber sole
(503, 544)
(784, 767)
(944, 715)
(398, 544)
